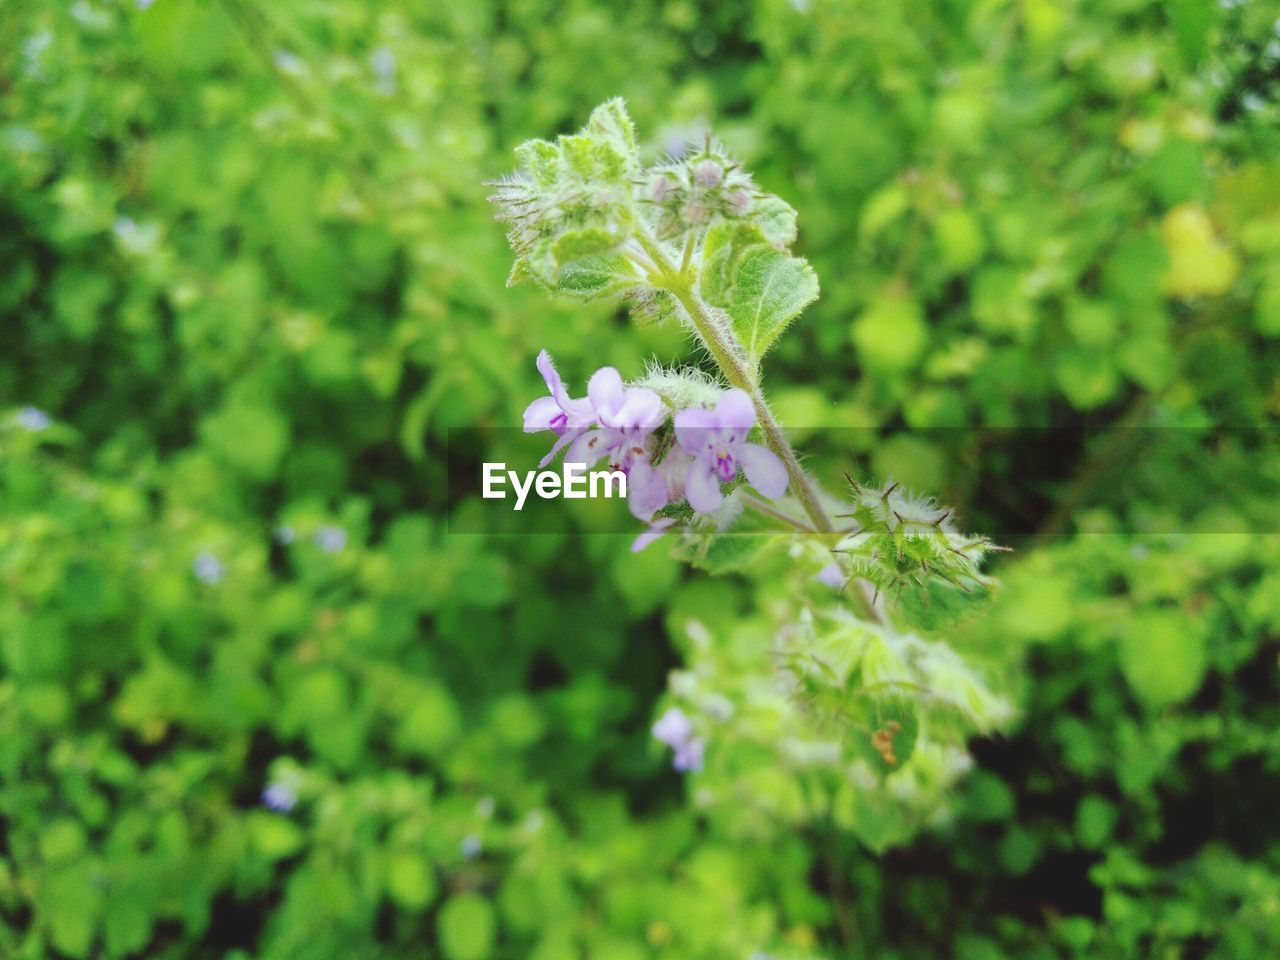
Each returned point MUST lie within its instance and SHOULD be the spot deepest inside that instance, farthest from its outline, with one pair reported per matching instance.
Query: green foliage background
(249, 270)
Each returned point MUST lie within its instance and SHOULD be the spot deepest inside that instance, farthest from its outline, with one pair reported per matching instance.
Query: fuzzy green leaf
(770, 289)
(886, 738)
(776, 219)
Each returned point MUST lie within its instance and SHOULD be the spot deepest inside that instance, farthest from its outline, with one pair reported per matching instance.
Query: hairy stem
(728, 356)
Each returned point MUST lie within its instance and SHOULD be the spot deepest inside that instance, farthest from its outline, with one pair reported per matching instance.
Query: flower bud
(738, 203)
(662, 189)
(696, 212)
(708, 174)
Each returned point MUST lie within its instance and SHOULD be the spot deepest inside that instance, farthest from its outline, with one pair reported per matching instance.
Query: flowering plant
(855, 696)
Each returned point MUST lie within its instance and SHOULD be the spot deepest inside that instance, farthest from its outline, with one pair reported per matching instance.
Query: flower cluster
(675, 729)
(632, 427)
(698, 190)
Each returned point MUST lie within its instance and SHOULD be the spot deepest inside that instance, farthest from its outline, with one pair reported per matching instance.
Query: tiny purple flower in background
(383, 62)
(831, 575)
(563, 416)
(470, 846)
(675, 730)
(284, 534)
(329, 538)
(34, 419)
(689, 755)
(717, 440)
(286, 62)
(208, 568)
(627, 416)
(143, 4)
(279, 797)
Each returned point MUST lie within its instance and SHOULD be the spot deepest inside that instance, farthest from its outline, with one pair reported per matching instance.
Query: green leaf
(887, 737)
(411, 882)
(935, 604)
(762, 289)
(273, 836)
(69, 905)
(1162, 655)
(465, 927)
(611, 121)
(595, 277)
(776, 219)
(719, 553)
(770, 289)
(580, 244)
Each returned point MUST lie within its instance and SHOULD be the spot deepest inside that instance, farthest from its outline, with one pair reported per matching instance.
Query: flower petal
(588, 448)
(764, 470)
(702, 489)
(694, 427)
(537, 415)
(559, 445)
(673, 728)
(646, 491)
(641, 410)
(553, 381)
(735, 412)
(689, 756)
(605, 391)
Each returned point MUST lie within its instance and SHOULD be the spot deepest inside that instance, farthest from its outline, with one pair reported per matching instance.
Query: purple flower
(689, 755)
(831, 575)
(627, 416)
(470, 846)
(708, 174)
(717, 440)
(279, 797)
(676, 730)
(329, 538)
(34, 419)
(564, 417)
(673, 728)
(208, 568)
(383, 62)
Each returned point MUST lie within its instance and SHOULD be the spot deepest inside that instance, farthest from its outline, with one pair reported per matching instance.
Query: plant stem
(768, 510)
(728, 356)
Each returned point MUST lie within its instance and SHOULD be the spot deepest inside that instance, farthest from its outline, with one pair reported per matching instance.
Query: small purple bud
(279, 797)
(663, 189)
(832, 576)
(286, 62)
(708, 174)
(470, 846)
(689, 755)
(673, 728)
(329, 538)
(284, 534)
(208, 568)
(34, 419)
(696, 212)
(738, 203)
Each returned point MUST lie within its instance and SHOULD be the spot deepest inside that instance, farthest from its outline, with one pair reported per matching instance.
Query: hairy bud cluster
(901, 540)
(699, 190)
(570, 207)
